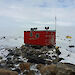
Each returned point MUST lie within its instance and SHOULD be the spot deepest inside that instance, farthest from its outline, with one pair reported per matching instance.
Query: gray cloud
(39, 12)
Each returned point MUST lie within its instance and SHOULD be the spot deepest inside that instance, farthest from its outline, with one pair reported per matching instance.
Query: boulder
(47, 70)
(65, 69)
(25, 66)
(57, 69)
(7, 72)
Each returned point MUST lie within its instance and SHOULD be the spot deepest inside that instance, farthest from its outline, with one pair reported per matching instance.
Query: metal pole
(55, 31)
(55, 22)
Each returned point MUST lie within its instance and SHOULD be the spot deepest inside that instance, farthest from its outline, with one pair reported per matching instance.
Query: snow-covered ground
(11, 41)
(66, 52)
(16, 39)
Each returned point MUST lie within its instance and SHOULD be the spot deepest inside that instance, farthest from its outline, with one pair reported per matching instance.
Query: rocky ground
(31, 61)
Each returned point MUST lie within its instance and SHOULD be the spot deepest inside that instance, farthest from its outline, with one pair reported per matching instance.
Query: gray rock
(65, 69)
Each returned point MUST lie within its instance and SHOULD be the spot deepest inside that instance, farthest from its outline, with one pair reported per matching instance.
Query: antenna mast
(55, 22)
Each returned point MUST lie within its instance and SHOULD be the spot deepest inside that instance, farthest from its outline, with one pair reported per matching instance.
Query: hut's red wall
(45, 38)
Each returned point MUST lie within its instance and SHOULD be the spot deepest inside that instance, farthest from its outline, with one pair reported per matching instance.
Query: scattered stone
(69, 40)
(68, 55)
(3, 37)
(17, 70)
(58, 51)
(1, 57)
(36, 60)
(71, 46)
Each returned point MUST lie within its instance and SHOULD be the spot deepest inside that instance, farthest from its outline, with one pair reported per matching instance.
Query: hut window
(31, 34)
(37, 35)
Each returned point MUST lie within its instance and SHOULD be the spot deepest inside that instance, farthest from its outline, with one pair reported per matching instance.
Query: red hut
(37, 37)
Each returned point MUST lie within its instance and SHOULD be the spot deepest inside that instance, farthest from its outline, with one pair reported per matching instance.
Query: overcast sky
(37, 12)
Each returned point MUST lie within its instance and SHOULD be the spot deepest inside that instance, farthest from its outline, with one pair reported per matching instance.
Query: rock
(58, 51)
(11, 53)
(25, 66)
(36, 60)
(9, 58)
(48, 62)
(23, 47)
(60, 59)
(71, 46)
(47, 70)
(55, 61)
(17, 70)
(9, 62)
(68, 55)
(44, 48)
(18, 61)
(30, 72)
(7, 72)
(3, 64)
(39, 66)
(57, 69)
(16, 55)
(65, 69)
(10, 65)
(3, 37)
(1, 57)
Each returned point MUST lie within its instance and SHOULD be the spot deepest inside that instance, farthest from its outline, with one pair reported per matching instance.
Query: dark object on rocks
(55, 61)
(16, 55)
(61, 59)
(18, 61)
(8, 58)
(54, 56)
(48, 62)
(71, 46)
(17, 70)
(10, 65)
(9, 62)
(31, 72)
(10, 54)
(36, 60)
(58, 52)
